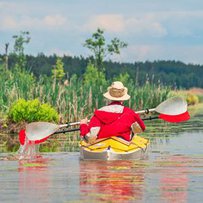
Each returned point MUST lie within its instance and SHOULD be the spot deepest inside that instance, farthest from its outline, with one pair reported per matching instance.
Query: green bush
(192, 99)
(32, 110)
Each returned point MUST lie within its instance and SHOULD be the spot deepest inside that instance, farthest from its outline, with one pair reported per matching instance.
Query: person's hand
(84, 121)
(136, 128)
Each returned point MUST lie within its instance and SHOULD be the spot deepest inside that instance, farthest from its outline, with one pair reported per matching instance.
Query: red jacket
(113, 123)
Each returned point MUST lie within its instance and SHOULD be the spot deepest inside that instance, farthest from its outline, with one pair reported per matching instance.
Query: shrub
(192, 99)
(32, 110)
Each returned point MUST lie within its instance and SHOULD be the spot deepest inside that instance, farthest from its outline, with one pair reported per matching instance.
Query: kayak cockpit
(114, 148)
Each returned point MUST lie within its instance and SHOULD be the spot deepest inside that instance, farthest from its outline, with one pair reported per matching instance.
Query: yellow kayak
(114, 148)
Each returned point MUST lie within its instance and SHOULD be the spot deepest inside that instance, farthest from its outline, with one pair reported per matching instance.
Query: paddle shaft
(77, 129)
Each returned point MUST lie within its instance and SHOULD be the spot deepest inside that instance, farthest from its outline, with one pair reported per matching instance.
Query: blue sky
(153, 29)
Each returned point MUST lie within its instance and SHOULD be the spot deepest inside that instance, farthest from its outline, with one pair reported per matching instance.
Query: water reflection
(163, 177)
(174, 179)
(34, 180)
(119, 181)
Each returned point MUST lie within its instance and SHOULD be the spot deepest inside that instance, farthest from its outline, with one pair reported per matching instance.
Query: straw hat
(117, 92)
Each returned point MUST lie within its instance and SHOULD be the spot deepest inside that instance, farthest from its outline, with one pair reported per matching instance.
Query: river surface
(172, 172)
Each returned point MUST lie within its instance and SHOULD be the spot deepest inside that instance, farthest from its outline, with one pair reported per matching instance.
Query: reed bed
(74, 99)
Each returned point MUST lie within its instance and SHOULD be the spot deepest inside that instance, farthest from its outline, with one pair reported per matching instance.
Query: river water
(172, 172)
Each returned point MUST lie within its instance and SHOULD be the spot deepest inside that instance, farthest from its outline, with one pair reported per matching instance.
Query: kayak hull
(114, 148)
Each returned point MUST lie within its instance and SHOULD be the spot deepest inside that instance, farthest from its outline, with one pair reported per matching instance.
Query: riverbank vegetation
(66, 89)
(73, 99)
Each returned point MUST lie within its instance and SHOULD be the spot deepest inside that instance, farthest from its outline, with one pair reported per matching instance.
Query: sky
(153, 29)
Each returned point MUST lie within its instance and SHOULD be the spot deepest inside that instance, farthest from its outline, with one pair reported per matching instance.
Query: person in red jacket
(114, 119)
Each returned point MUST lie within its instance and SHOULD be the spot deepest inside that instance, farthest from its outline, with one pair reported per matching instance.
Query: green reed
(73, 100)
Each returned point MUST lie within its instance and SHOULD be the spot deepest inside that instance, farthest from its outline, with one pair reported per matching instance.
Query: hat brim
(123, 98)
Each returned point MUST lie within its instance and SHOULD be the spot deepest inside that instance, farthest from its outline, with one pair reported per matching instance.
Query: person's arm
(138, 126)
(90, 132)
(84, 128)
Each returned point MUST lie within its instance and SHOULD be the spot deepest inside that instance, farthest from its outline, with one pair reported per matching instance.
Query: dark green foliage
(172, 73)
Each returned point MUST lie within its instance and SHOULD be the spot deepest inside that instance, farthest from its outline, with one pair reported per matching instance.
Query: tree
(6, 56)
(124, 78)
(20, 40)
(58, 70)
(100, 49)
(92, 77)
(95, 83)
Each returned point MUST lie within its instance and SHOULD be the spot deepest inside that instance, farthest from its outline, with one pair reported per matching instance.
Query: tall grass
(73, 100)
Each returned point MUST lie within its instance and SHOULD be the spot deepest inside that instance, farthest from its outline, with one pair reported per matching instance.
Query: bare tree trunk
(6, 56)
(137, 76)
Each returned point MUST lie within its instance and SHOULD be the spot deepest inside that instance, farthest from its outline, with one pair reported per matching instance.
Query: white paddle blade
(40, 130)
(172, 106)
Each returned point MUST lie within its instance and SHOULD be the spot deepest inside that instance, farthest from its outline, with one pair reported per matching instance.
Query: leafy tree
(20, 40)
(58, 70)
(93, 77)
(95, 84)
(124, 78)
(100, 49)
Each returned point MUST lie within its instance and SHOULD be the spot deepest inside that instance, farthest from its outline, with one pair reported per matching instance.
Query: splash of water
(29, 150)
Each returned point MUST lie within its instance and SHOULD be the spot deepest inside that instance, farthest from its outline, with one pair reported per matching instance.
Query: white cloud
(136, 53)
(27, 22)
(54, 20)
(7, 23)
(174, 23)
(108, 22)
(7, 5)
(143, 52)
(146, 25)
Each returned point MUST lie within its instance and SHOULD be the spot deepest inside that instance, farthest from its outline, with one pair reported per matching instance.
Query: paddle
(77, 129)
(171, 110)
